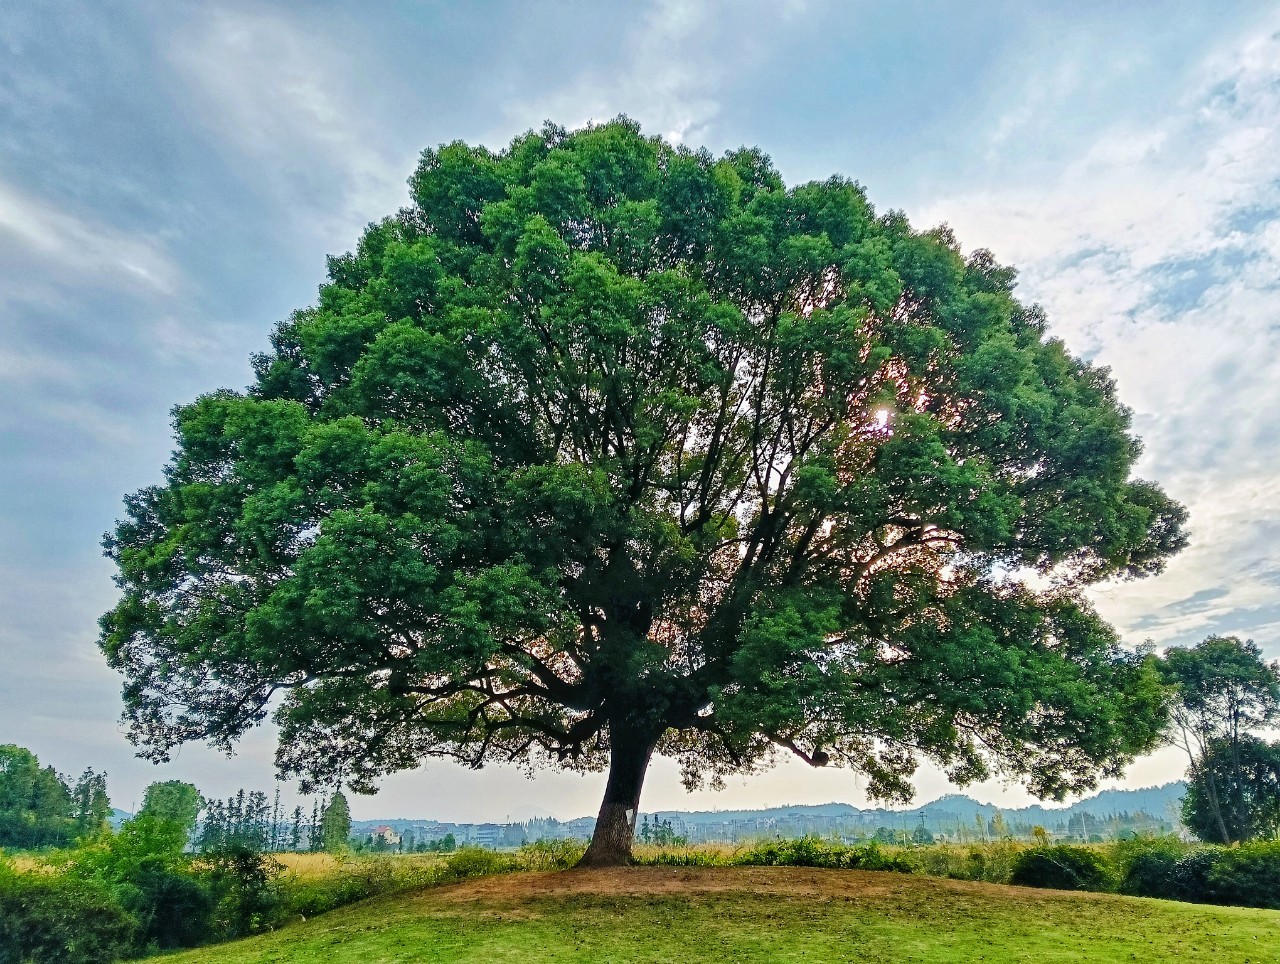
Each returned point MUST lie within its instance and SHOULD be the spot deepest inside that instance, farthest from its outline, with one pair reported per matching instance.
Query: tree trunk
(610, 845)
(1216, 802)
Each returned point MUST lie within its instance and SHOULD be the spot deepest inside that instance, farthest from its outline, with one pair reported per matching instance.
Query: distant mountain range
(942, 814)
(1155, 801)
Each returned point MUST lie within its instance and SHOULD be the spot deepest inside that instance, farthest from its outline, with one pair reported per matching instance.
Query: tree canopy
(1233, 791)
(173, 801)
(1223, 688)
(602, 446)
(41, 808)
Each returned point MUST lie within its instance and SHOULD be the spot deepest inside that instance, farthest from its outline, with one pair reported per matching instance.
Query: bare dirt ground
(693, 881)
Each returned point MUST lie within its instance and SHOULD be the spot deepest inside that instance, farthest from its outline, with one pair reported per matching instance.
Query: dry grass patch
(27, 862)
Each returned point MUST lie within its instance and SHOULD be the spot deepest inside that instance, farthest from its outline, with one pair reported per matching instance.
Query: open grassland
(664, 914)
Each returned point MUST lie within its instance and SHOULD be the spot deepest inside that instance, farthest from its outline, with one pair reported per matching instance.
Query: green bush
(815, 852)
(357, 878)
(1167, 867)
(314, 897)
(176, 902)
(682, 858)
(991, 862)
(1245, 876)
(144, 867)
(551, 854)
(318, 895)
(1149, 867)
(1062, 867)
(173, 907)
(478, 862)
(49, 919)
(245, 885)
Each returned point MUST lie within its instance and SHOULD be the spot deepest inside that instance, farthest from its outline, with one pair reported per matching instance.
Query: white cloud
(678, 55)
(1156, 250)
(71, 250)
(282, 98)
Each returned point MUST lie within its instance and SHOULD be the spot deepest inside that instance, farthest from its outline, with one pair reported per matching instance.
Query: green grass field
(757, 914)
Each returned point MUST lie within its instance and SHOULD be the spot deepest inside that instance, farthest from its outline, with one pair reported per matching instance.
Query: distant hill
(944, 815)
(1155, 801)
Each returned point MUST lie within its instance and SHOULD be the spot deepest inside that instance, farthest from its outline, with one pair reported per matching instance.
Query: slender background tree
(1222, 690)
(603, 447)
(90, 805)
(335, 824)
(1233, 791)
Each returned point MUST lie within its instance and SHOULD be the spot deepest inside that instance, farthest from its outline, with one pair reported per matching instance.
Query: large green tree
(603, 447)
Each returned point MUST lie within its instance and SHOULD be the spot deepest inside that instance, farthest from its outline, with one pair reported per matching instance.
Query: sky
(173, 174)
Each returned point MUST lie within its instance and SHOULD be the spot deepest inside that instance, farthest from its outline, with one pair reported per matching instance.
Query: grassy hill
(762, 914)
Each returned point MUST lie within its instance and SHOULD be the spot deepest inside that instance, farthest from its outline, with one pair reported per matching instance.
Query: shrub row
(992, 862)
(815, 852)
(93, 912)
(804, 852)
(102, 904)
(1063, 867)
(1247, 875)
(44, 917)
(989, 862)
(1166, 867)
(681, 857)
